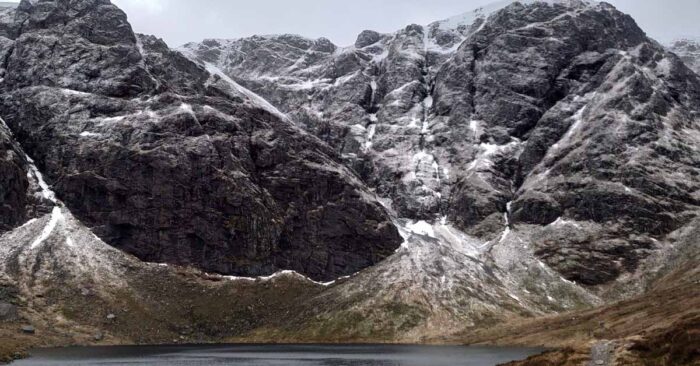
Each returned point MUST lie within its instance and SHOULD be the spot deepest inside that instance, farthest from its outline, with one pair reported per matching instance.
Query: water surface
(278, 355)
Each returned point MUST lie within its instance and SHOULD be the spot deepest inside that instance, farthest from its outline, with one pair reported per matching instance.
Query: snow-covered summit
(469, 18)
(688, 49)
(690, 42)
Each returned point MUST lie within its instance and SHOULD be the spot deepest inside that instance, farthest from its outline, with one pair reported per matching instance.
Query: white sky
(181, 21)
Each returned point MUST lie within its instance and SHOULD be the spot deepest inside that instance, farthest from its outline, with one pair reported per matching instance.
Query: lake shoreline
(295, 354)
(26, 345)
(17, 351)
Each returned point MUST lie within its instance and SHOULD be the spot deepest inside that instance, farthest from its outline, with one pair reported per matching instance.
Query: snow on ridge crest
(469, 18)
(687, 38)
(247, 94)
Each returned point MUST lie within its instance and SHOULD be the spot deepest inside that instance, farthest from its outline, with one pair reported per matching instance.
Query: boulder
(8, 312)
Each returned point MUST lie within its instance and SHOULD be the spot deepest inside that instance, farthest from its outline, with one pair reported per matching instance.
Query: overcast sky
(181, 21)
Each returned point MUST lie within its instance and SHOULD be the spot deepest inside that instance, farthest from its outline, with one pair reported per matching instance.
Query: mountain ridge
(537, 162)
(430, 189)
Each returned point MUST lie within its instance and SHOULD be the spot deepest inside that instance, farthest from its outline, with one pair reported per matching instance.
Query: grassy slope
(661, 327)
(161, 307)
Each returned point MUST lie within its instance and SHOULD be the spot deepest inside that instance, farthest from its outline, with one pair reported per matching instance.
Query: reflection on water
(287, 355)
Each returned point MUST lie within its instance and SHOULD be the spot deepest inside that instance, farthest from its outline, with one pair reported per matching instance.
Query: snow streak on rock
(35, 176)
(252, 97)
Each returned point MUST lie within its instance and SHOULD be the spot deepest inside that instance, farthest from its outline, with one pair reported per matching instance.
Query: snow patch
(371, 131)
(469, 18)
(475, 128)
(34, 174)
(380, 57)
(562, 222)
(56, 215)
(215, 71)
(284, 273)
(421, 228)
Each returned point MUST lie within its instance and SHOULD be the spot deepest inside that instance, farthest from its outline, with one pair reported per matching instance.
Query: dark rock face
(593, 117)
(172, 163)
(367, 38)
(20, 193)
(538, 112)
(13, 184)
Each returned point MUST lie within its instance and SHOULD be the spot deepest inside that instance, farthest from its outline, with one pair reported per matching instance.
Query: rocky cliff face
(542, 112)
(14, 184)
(530, 158)
(170, 161)
(689, 52)
(22, 193)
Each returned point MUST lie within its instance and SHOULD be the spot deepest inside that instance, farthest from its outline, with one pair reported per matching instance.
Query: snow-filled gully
(426, 163)
(372, 125)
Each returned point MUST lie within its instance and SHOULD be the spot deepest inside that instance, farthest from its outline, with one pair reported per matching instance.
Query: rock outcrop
(689, 51)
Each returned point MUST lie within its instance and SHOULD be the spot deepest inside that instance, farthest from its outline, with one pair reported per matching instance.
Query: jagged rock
(689, 52)
(560, 108)
(174, 163)
(367, 38)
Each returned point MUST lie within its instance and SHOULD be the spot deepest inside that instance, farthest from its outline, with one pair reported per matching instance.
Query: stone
(98, 336)
(28, 329)
(8, 312)
(367, 38)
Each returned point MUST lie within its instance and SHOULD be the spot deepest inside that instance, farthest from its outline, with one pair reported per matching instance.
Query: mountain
(563, 117)
(689, 52)
(172, 163)
(515, 162)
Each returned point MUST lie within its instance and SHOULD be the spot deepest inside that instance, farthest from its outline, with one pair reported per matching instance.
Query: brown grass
(563, 357)
(13, 344)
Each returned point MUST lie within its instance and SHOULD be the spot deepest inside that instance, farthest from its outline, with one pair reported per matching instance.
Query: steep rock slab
(23, 192)
(13, 184)
(176, 163)
(549, 113)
